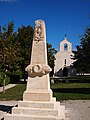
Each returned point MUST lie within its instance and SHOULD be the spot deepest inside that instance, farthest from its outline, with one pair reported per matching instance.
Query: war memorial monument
(38, 103)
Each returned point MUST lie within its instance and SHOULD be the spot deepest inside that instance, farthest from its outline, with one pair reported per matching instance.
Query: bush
(14, 78)
(76, 79)
(1, 79)
(7, 79)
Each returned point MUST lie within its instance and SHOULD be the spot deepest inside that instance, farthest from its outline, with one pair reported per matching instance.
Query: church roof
(65, 40)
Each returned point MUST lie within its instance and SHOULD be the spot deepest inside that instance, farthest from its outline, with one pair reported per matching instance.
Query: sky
(70, 17)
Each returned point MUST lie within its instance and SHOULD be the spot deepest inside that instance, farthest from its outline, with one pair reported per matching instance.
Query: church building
(63, 62)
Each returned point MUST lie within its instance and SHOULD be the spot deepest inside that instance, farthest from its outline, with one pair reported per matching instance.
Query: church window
(65, 47)
(65, 62)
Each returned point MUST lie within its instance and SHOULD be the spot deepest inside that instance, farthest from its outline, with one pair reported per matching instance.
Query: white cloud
(8, 0)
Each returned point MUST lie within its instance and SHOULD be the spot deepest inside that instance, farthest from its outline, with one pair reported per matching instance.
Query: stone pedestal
(35, 110)
(38, 103)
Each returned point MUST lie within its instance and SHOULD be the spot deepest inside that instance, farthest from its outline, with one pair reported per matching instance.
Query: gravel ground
(75, 109)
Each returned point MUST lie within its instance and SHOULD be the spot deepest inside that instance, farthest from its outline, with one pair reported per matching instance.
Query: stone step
(61, 116)
(35, 104)
(30, 117)
(34, 111)
(62, 112)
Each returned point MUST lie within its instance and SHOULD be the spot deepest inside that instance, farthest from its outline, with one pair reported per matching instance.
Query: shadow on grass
(72, 90)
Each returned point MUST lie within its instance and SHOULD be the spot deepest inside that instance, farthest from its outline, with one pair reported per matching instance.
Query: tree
(51, 57)
(82, 55)
(24, 42)
(16, 47)
(8, 50)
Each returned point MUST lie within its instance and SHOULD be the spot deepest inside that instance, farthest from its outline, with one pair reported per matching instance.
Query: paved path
(75, 109)
(7, 87)
(5, 107)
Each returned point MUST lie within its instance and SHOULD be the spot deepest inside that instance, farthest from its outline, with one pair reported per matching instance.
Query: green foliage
(6, 78)
(16, 48)
(10, 29)
(24, 42)
(74, 79)
(82, 55)
(51, 57)
(1, 79)
(8, 50)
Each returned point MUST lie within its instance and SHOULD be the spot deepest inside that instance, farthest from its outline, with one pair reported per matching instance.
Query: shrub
(7, 79)
(14, 78)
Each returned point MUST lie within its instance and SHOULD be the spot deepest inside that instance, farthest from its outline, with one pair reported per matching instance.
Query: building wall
(63, 57)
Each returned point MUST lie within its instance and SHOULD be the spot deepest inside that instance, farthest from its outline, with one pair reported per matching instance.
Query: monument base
(37, 110)
(37, 95)
(37, 104)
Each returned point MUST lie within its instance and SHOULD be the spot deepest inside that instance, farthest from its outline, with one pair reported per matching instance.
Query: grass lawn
(15, 93)
(71, 91)
(71, 96)
(62, 91)
(70, 85)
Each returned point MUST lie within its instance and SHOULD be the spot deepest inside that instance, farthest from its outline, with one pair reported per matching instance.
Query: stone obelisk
(38, 103)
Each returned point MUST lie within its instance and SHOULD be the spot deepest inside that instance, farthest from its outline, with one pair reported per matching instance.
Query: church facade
(63, 62)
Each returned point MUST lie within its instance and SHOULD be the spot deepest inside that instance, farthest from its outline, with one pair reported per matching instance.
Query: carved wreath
(37, 70)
